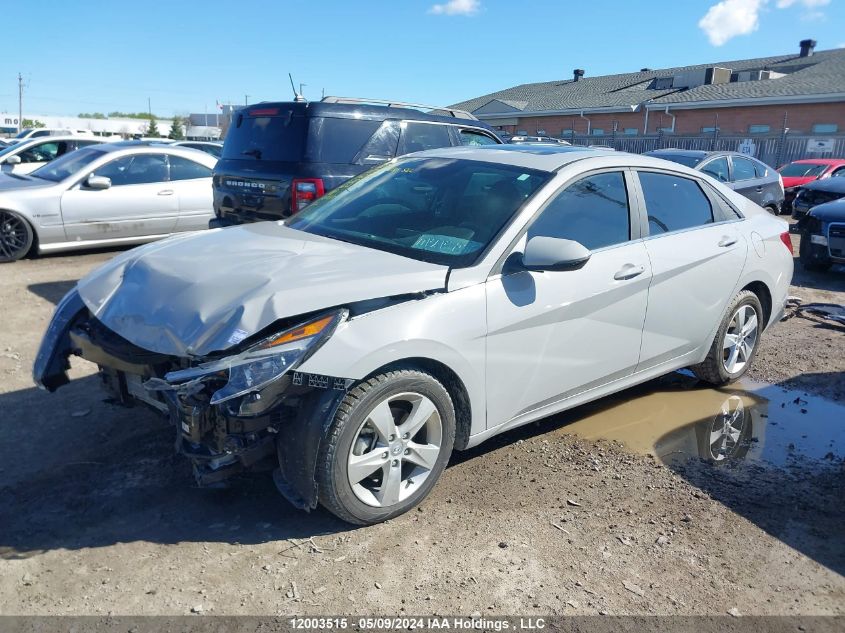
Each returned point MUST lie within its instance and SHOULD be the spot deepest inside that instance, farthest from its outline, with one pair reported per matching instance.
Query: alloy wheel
(740, 339)
(726, 429)
(395, 449)
(14, 236)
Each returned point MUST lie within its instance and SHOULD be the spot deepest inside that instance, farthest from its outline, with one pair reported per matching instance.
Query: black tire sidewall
(29, 242)
(413, 382)
(746, 299)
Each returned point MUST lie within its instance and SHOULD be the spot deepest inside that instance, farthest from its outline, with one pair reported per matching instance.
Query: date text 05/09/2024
(420, 623)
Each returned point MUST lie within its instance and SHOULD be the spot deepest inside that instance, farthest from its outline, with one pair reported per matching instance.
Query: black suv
(279, 157)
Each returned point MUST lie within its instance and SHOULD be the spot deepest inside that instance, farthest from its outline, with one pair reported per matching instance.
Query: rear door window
(673, 203)
(271, 134)
(335, 140)
(417, 137)
(743, 169)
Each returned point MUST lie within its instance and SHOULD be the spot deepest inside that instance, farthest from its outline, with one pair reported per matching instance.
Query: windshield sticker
(236, 337)
(444, 244)
(523, 177)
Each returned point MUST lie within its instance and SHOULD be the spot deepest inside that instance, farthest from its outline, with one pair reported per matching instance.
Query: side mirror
(13, 160)
(97, 183)
(552, 253)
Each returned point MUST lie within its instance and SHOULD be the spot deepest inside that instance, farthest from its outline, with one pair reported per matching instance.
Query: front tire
(735, 344)
(16, 236)
(391, 439)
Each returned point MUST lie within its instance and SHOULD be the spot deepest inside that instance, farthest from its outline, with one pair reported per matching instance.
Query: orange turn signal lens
(304, 331)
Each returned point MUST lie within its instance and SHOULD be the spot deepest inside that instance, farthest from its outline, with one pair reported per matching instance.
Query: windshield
(439, 210)
(689, 161)
(802, 170)
(23, 132)
(68, 164)
(8, 150)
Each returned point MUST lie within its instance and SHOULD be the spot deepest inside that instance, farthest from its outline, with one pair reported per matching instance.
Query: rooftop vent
(645, 70)
(577, 74)
(807, 47)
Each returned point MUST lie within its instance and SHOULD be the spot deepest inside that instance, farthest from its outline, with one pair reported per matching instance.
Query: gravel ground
(100, 517)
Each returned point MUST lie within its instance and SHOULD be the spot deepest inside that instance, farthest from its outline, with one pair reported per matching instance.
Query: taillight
(787, 241)
(304, 191)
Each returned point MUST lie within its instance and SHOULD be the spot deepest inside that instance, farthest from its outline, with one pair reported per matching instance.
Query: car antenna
(296, 96)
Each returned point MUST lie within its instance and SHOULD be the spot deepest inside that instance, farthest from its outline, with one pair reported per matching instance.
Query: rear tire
(390, 440)
(735, 344)
(773, 209)
(16, 236)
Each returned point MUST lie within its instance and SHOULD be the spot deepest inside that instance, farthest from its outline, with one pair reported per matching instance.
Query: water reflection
(676, 418)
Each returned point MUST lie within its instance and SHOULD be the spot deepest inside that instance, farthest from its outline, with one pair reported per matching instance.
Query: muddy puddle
(675, 418)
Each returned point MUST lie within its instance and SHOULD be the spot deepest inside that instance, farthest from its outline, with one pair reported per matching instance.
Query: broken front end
(246, 408)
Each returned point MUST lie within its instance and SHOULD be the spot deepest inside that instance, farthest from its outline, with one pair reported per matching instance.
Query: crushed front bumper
(279, 427)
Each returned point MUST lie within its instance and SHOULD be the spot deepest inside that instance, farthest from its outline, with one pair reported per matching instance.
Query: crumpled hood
(203, 292)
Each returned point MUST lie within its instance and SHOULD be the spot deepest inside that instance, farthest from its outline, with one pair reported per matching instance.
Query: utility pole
(246, 99)
(149, 108)
(20, 103)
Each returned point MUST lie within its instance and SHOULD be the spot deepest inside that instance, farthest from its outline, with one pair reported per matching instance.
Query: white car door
(192, 183)
(140, 201)
(34, 156)
(697, 254)
(554, 334)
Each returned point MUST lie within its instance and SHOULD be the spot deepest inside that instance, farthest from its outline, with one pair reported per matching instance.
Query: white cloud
(729, 18)
(456, 7)
(784, 4)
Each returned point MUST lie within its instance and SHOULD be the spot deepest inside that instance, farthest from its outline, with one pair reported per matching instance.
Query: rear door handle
(727, 241)
(166, 192)
(629, 271)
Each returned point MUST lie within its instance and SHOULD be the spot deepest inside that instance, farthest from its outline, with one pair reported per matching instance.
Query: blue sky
(99, 55)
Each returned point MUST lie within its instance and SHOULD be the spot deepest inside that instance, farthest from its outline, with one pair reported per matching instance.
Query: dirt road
(99, 516)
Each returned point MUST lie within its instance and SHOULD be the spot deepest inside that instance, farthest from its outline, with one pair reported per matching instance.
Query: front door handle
(628, 271)
(727, 241)
(166, 192)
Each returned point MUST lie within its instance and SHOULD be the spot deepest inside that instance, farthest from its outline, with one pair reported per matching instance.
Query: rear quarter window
(335, 140)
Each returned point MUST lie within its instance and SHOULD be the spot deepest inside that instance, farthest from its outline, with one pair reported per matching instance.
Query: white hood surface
(203, 292)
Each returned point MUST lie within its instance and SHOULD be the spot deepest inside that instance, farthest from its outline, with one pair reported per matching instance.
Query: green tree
(152, 129)
(91, 115)
(177, 132)
(30, 123)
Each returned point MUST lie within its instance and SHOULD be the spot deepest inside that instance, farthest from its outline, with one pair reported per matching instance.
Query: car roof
(149, 148)
(819, 161)
(541, 157)
(364, 111)
(26, 142)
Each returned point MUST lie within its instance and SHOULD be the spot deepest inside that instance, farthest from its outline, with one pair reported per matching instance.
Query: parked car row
(105, 194)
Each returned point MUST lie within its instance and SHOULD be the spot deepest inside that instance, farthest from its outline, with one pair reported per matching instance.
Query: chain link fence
(772, 150)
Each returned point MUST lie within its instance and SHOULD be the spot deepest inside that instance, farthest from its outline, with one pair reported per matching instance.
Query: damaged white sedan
(425, 306)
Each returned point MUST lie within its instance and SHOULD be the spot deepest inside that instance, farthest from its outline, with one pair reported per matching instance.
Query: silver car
(425, 306)
(103, 195)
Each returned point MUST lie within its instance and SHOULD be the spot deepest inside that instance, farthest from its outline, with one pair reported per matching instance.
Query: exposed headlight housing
(264, 363)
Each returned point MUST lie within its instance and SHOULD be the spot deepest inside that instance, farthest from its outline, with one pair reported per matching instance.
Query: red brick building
(797, 94)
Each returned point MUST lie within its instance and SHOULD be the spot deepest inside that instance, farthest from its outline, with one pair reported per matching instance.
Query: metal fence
(772, 150)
